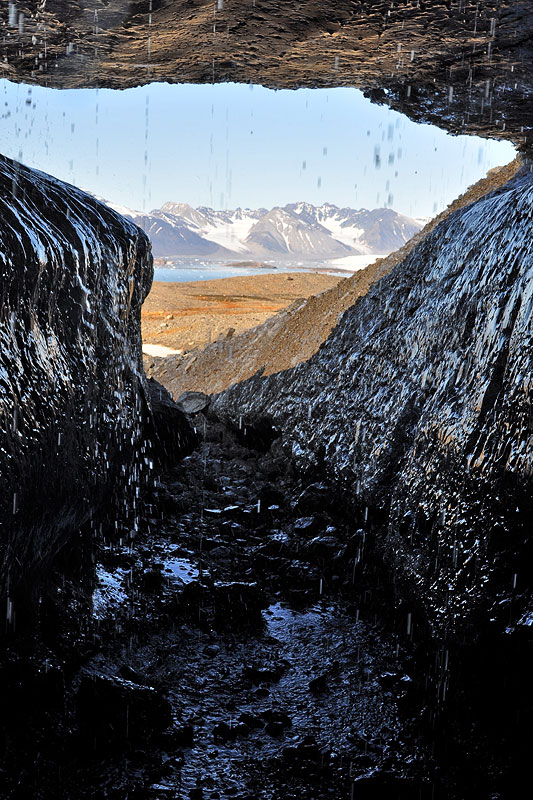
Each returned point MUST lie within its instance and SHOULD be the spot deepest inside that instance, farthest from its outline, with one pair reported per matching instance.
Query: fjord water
(205, 271)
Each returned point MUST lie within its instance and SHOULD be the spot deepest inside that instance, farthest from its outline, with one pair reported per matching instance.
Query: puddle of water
(278, 617)
(180, 569)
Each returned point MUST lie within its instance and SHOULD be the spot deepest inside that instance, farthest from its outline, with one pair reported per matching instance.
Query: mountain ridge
(296, 230)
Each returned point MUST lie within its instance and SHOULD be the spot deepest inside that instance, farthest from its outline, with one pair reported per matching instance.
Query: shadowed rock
(419, 405)
(172, 434)
(464, 65)
(116, 714)
(73, 275)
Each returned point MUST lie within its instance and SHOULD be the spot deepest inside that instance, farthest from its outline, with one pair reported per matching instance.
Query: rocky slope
(73, 276)
(419, 405)
(295, 334)
(462, 64)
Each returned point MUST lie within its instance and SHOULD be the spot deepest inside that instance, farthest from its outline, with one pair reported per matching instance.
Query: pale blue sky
(228, 145)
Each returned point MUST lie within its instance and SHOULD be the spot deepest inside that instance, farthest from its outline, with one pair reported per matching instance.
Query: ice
(354, 263)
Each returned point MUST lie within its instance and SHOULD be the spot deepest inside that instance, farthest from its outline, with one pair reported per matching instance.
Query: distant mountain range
(296, 230)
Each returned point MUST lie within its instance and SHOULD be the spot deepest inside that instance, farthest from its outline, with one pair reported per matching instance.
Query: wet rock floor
(243, 645)
(247, 606)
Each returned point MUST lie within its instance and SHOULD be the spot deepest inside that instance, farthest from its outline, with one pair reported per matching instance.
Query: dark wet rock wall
(462, 64)
(419, 406)
(73, 275)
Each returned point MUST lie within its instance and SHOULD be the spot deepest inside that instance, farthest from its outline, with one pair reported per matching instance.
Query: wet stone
(315, 498)
(258, 675)
(251, 721)
(307, 525)
(116, 713)
(278, 719)
(275, 727)
(129, 674)
(192, 402)
(305, 750)
(224, 732)
(323, 548)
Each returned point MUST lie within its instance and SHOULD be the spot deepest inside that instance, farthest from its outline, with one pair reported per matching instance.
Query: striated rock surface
(462, 64)
(73, 275)
(419, 405)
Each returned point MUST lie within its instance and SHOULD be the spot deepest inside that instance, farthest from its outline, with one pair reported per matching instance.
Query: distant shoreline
(182, 270)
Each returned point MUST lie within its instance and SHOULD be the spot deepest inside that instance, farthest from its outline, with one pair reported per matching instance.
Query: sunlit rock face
(73, 275)
(462, 64)
(419, 405)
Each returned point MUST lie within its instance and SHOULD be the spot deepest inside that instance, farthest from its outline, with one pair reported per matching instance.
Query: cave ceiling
(465, 65)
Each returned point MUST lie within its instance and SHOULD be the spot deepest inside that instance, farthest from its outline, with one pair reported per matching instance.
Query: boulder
(192, 402)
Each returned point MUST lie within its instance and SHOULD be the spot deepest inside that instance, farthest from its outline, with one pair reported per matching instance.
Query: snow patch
(230, 235)
(159, 350)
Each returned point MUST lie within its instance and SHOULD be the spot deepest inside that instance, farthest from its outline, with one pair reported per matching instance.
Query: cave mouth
(153, 645)
(464, 65)
(203, 168)
(241, 181)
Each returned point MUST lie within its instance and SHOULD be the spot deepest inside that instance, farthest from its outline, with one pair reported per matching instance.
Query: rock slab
(464, 65)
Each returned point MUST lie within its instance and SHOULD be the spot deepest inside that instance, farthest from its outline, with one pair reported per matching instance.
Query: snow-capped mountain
(298, 230)
(282, 232)
(379, 231)
(227, 229)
